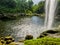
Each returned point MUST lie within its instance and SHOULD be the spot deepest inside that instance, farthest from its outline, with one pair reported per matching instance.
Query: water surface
(23, 26)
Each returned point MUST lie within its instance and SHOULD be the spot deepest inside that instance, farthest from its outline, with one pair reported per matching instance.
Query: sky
(36, 1)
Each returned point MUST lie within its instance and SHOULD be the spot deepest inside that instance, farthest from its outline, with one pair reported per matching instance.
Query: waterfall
(50, 12)
(46, 12)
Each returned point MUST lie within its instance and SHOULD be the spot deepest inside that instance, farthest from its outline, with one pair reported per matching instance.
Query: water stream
(50, 9)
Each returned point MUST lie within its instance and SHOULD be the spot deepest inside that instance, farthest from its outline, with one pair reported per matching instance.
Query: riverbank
(12, 16)
(16, 15)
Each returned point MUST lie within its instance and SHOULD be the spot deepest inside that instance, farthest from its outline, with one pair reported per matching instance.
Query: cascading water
(50, 12)
(46, 12)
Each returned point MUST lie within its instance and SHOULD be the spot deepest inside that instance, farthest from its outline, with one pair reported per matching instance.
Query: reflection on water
(22, 27)
(37, 20)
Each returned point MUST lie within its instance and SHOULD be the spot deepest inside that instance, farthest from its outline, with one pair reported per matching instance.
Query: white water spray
(46, 12)
(50, 12)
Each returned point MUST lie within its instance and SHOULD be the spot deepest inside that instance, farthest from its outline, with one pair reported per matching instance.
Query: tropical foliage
(21, 6)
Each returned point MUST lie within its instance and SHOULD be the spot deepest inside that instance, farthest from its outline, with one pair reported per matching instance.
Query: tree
(7, 6)
(35, 8)
(39, 8)
(8, 3)
(20, 6)
(30, 4)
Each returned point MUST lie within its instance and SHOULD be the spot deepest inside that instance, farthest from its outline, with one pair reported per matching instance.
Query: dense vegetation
(58, 8)
(20, 6)
(43, 41)
(23, 6)
(7, 6)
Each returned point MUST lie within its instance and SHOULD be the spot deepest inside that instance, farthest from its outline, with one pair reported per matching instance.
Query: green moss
(43, 41)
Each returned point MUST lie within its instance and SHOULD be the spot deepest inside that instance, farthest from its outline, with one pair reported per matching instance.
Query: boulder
(28, 37)
(46, 33)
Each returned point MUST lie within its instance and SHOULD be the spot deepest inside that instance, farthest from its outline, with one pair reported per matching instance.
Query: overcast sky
(36, 1)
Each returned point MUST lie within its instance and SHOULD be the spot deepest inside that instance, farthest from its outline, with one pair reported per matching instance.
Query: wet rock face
(51, 32)
(7, 40)
(28, 37)
(2, 41)
(43, 35)
(46, 33)
(13, 40)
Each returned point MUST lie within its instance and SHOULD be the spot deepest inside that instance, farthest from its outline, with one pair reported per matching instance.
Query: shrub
(43, 41)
